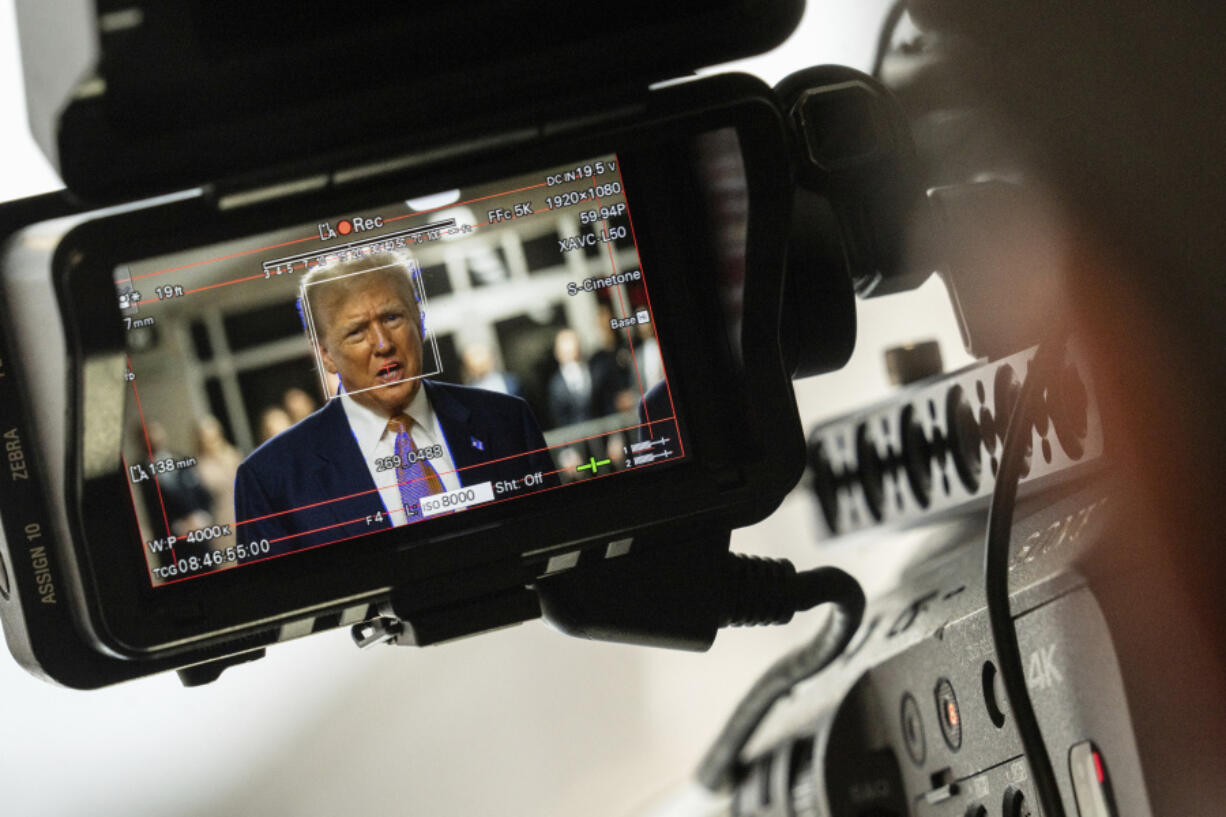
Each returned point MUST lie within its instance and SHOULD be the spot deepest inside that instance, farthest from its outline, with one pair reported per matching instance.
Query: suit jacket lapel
(455, 419)
(341, 471)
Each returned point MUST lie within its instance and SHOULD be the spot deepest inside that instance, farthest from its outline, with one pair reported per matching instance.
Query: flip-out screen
(389, 367)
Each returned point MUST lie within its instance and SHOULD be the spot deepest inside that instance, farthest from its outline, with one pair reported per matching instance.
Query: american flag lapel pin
(477, 444)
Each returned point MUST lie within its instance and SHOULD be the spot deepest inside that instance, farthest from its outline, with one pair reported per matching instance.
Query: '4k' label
(1042, 672)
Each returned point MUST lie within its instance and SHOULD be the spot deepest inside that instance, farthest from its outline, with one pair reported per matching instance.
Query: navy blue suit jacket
(310, 485)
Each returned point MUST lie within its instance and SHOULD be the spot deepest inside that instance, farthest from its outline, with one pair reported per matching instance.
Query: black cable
(888, 26)
(996, 573)
(823, 585)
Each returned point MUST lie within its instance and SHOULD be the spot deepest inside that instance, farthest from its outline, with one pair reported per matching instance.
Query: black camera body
(275, 198)
(914, 718)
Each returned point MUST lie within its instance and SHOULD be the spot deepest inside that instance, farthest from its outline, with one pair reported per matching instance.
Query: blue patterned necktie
(416, 479)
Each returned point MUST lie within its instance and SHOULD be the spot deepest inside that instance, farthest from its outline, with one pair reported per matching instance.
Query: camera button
(948, 714)
(913, 729)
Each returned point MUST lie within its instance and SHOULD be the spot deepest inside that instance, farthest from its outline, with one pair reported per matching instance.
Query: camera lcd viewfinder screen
(389, 368)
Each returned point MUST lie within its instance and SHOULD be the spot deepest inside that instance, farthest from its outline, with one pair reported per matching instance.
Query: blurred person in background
(569, 459)
(217, 461)
(570, 387)
(647, 355)
(273, 420)
(481, 372)
(614, 388)
(298, 404)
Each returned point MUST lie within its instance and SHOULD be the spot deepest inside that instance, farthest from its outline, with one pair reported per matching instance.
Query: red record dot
(345, 227)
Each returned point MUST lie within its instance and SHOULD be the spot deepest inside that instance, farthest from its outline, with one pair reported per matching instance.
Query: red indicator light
(344, 227)
(1098, 769)
(951, 713)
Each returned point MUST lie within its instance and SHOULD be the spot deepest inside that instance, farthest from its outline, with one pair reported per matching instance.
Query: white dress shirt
(575, 376)
(376, 442)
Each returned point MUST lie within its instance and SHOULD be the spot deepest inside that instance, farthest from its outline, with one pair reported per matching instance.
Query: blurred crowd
(590, 396)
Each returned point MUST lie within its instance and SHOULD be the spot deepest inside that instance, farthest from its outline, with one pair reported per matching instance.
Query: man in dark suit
(391, 437)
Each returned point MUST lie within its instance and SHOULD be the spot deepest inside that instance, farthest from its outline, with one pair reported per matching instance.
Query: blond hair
(314, 302)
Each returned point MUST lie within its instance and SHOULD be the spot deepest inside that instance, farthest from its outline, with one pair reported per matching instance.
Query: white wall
(522, 722)
(24, 170)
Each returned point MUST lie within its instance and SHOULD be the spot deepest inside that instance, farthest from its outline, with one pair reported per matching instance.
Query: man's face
(371, 339)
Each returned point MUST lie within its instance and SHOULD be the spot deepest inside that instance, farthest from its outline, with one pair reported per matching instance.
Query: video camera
(427, 323)
(569, 275)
